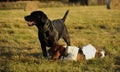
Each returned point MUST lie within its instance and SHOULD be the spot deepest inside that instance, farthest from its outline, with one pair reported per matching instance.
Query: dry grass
(20, 49)
(31, 6)
(115, 4)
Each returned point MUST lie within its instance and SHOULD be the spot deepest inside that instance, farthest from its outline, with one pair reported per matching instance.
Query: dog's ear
(43, 18)
(39, 16)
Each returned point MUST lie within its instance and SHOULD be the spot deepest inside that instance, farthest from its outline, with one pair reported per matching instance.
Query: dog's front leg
(43, 44)
(44, 51)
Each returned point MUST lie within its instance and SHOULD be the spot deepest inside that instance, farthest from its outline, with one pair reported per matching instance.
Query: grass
(20, 48)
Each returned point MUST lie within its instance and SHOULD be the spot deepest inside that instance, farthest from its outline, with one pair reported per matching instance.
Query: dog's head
(56, 52)
(36, 18)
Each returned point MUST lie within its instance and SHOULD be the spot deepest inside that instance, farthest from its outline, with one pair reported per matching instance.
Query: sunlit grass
(20, 48)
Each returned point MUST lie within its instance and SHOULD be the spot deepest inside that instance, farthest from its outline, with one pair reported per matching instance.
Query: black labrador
(49, 32)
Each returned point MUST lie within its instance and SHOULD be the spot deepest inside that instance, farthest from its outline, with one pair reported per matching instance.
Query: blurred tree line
(31, 0)
(82, 2)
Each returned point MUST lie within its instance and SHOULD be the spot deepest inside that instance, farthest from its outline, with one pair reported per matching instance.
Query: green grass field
(20, 48)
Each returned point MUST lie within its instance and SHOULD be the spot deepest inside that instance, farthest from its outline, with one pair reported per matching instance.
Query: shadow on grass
(117, 63)
(19, 54)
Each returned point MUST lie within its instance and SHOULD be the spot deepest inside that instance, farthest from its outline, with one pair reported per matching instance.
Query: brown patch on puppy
(98, 54)
(56, 52)
(80, 55)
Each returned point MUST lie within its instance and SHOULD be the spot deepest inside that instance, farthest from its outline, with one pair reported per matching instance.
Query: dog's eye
(47, 33)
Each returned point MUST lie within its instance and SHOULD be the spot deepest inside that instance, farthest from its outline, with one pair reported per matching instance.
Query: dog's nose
(26, 18)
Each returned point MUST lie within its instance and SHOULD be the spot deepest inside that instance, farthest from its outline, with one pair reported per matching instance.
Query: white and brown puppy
(91, 52)
(75, 53)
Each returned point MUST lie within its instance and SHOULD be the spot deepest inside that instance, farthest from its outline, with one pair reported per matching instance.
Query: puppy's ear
(98, 54)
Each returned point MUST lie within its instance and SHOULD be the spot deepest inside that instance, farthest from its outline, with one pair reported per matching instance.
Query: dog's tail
(64, 18)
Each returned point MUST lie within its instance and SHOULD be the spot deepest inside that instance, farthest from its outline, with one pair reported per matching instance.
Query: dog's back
(59, 23)
(61, 28)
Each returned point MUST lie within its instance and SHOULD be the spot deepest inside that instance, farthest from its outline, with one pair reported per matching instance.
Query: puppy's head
(36, 18)
(100, 54)
(56, 52)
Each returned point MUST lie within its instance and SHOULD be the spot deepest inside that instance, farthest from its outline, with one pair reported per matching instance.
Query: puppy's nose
(53, 59)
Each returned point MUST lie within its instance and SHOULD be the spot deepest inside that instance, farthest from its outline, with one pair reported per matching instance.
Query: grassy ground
(20, 48)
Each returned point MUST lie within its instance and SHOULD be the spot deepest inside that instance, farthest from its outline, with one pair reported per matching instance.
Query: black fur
(49, 32)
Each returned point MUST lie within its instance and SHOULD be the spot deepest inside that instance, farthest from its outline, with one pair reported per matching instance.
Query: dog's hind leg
(67, 40)
(66, 37)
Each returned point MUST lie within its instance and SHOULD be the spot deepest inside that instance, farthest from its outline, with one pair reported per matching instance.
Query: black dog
(49, 32)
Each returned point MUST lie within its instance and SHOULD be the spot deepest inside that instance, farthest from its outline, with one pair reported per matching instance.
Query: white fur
(89, 51)
(72, 53)
(103, 53)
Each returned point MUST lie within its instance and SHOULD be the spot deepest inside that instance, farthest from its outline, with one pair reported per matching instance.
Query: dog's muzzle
(31, 23)
(29, 20)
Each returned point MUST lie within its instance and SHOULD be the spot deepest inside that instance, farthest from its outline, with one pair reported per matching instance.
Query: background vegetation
(33, 5)
(20, 48)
